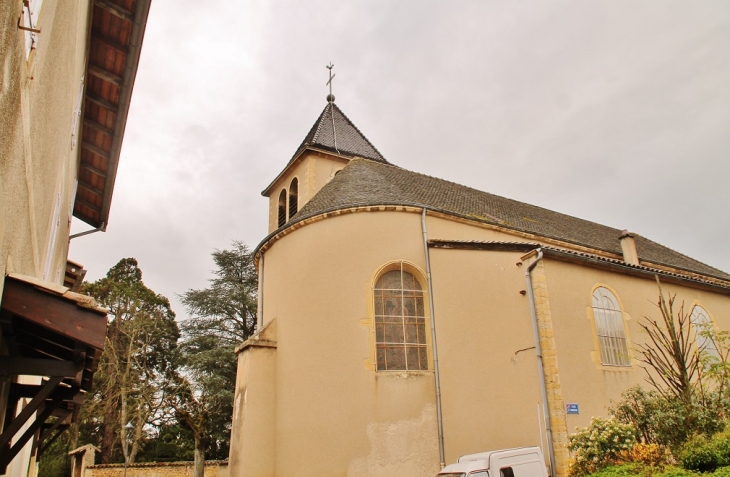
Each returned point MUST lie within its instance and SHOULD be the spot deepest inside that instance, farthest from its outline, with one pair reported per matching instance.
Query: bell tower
(329, 146)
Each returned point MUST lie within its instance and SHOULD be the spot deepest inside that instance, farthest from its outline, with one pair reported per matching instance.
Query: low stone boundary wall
(214, 468)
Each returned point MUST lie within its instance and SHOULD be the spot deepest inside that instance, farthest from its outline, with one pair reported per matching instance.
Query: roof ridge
(320, 121)
(679, 253)
(372, 184)
(499, 196)
(359, 132)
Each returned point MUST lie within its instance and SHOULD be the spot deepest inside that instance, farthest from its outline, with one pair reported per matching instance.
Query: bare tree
(137, 360)
(674, 362)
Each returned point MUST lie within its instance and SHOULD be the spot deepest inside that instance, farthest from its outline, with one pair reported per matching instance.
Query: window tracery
(400, 322)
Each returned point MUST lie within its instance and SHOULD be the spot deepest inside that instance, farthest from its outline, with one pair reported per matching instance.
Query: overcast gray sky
(613, 111)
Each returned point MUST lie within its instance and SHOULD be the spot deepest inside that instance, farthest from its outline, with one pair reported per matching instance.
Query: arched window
(293, 199)
(610, 328)
(702, 326)
(400, 322)
(282, 208)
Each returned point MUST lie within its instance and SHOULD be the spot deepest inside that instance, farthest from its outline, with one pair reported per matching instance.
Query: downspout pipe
(260, 314)
(439, 415)
(101, 228)
(540, 367)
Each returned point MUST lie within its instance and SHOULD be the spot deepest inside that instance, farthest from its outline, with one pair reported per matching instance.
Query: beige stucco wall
(37, 160)
(335, 415)
(584, 380)
(313, 170)
(254, 408)
(38, 97)
(489, 387)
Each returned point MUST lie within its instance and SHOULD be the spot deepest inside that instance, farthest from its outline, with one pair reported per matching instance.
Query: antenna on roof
(330, 97)
(331, 100)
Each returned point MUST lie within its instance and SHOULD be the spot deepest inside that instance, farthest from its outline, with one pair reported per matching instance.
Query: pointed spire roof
(333, 131)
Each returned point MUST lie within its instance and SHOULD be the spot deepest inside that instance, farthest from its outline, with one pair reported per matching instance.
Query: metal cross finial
(330, 97)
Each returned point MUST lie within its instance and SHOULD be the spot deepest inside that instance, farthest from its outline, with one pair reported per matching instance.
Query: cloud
(616, 112)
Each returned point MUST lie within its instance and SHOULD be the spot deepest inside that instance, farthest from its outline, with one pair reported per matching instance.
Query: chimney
(628, 247)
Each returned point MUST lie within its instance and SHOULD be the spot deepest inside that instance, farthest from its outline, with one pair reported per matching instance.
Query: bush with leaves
(652, 455)
(699, 454)
(721, 443)
(600, 444)
(666, 420)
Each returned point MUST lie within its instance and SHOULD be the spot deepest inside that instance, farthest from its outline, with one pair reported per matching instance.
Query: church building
(405, 320)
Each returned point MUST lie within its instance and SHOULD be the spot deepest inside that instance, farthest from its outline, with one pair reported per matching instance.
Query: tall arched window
(610, 328)
(702, 326)
(293, 197)
(400, 322)
(282, 207)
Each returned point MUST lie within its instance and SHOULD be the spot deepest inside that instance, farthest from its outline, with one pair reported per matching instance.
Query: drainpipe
(439, 415)
(540, 368)
(101, 228)
(260, 317)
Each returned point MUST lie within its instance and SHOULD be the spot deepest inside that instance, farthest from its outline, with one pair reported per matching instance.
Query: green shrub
(634, 469)
(666, 420)
(623, 470)
(721, 472)
(672, 471)
(599, 445)
(721, 444)
(699, 454)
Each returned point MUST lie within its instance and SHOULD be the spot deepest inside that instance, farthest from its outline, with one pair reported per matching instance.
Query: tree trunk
(199, 465)
(109, 429)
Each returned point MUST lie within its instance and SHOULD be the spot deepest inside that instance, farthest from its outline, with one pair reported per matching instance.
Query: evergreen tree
(222, 316)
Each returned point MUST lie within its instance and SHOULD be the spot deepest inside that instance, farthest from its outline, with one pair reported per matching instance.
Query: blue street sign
(572, 408)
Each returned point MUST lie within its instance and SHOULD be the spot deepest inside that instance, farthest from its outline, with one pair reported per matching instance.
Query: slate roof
(333, 131)
(367, 183)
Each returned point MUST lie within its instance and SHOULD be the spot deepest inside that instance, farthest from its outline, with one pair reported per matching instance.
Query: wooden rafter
(105, 75)
(86, 203)
(112, 44)
(98, 127)
(101, 102)
(115, 9)
(96, 150)
(93, 169)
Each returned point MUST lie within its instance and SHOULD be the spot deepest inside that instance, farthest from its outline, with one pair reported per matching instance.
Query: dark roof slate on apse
(365, 182)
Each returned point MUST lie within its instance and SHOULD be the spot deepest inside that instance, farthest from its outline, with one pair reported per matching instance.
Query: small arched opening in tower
(282, 208)
(293, 197)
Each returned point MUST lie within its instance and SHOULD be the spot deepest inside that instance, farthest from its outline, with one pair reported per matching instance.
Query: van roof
(467, 466)
(484, 456)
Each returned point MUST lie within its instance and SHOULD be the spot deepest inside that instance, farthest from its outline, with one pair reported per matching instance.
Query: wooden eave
(115, 42)
(57, 335)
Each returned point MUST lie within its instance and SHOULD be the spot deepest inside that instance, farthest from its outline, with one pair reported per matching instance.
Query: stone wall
(215, 468)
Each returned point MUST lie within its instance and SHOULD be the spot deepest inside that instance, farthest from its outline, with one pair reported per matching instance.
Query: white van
(520, 462)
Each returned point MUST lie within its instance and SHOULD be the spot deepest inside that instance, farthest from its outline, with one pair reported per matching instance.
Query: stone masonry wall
(556, 404)
(162, 469)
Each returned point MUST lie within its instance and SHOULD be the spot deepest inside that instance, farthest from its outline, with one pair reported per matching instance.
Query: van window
(453, 474)
(506, 472)
(479, 473)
